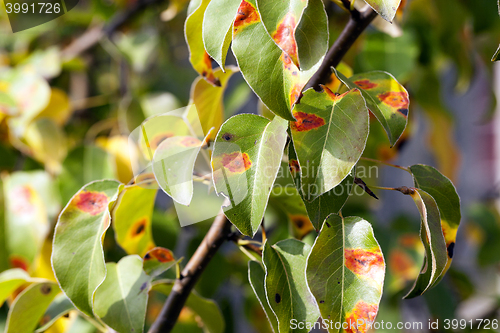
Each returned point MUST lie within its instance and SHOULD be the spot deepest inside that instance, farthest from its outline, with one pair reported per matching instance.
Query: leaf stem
(385, 163)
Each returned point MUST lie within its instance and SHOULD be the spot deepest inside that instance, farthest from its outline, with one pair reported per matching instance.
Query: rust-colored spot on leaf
(402, 264)
(161, 254)
(208, 74)
(369, 264)
(363, 312)
(302, 225)
(45, 289)
(159, 138)
(145, 178)
(21, 200)
(397, 100)
(246, 15)
(333, 96)
(190, 142)
(18, 262)
(284, 36)
(294, 167)
(306, 122)
(90, 202)
(139, 227)
(236, 162)
(295, 93)
(227, 136)
(365, 84)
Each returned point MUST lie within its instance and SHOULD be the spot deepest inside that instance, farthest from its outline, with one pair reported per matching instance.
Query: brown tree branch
(218, 233)
(356, 25)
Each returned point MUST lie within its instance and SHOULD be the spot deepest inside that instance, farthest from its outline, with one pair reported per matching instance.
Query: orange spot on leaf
(159, 138)
(139, 227)
(18, 262)
(369, 264)
(295, 93)
(92, 203)
(246, 15)
(236, 162)
(306, 122)
(161, 254)
(401, 264)
(397, 100)
(365, 84)
(21, 200)
(294, 167)
(284, 36)
(190, 142)
(363, 312)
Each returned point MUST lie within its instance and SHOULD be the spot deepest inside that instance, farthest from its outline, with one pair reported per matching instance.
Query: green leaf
(256, 277)
(385, 8)
(328, 203)
(299, 28)
(131, 218)
(270, 73)
(432, 237)
(28, 199)
(217, 28)
(286, 286)
(386, 98)
(198, 57)
(208, 99)
(206, 309)
(10, 280)
(29, 307)
(245, 161)
(345, 272)
(77, 253)
(329, 137)
(444, 193)
(59, 307)
(121, 300)
(158, 260)
(496, 56)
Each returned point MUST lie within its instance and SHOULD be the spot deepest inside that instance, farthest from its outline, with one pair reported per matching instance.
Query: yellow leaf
(58, 109)
(117, 146)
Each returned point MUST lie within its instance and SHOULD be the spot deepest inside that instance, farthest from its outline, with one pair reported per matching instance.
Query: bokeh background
(82, 84)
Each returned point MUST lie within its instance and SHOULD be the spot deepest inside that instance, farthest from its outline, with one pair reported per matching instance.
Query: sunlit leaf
(158, 260)
(432, 237)
(386, 8)
(198, 57)
(121, 299)
(208, 99)
(77, 253)
(345, 272)
(217, 28)
(206, 309)
(26, 215)
(328, 203)
(269, 71)
(299, 28)
(256, 277)
(448, 202)
(131, 218)
(286, 286)
(59, 307)
(29, 307)
(58, 109)
(10, 280)
(386, 98)
(117, 147)
(329, 137)
(245, 161)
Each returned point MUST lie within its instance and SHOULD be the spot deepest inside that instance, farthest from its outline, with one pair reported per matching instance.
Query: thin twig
(385, 163)
(218, 233)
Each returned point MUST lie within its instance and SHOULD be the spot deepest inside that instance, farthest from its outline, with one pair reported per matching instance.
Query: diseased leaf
(30, 305)
(157, 261)
(208, 99)
(206, 309)
(328, 203)
(198, 57)
(10, 280)
(329, 136)
(432, 237)
(299, 28)
(131, 218)
(245, 161)
(59, 307)
(386, 98)
(77, 253)
(286, 286)
(447, 200)
(217, 28)
(345, 273)
(269, 71)
(386, 8)
(256, 277)
(121, 300)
